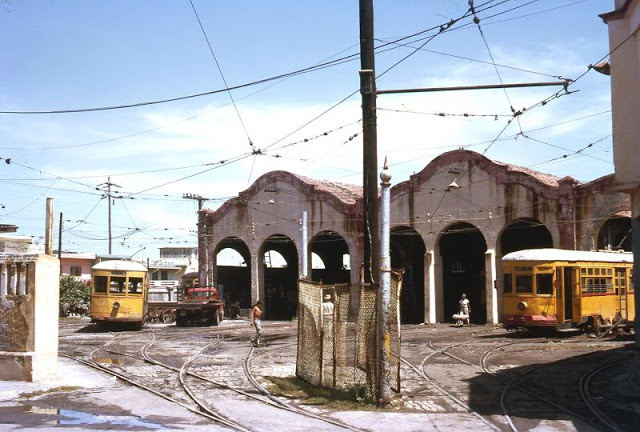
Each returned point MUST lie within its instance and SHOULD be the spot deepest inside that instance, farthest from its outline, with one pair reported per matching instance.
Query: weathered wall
(458, 187)
(29, 292)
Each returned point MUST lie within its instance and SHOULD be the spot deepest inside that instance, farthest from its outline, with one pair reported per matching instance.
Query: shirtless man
(255, 319)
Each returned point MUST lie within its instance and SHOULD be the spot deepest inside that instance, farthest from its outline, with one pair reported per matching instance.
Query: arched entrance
(407, 253)
(233, 269)
(525, 234)
(331, 248)
(615, 233)
(462, 247)
(280, 277)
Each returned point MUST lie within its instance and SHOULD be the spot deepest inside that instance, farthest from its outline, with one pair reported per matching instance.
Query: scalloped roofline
(341, 195)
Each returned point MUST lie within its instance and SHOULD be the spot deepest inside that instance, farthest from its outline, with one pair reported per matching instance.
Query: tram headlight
(116, 305)
(522, 305)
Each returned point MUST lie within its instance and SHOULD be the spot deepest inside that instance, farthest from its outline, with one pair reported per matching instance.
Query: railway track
(532, 387)
(211, 379)
(491, 380)
(517, 385)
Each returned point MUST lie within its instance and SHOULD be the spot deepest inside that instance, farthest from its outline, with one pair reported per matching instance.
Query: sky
(171, 97)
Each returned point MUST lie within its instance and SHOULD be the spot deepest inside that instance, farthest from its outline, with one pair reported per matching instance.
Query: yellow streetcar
(119, 292)
(559, 289)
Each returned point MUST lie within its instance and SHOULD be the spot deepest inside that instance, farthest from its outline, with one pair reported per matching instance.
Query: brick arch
(235, 280)
(524, 233)
(280, 283)
(407, 253)
(330, 246)
(615, 232)
(462, 247)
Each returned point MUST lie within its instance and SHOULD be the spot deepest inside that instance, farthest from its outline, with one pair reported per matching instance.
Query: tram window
(524, 284)
(544, 283)
(135, 285)
(117, 284)
(507, 282)
(592, 285)
(100, 284)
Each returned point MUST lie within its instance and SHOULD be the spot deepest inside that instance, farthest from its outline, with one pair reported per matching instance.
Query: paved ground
(85, 399)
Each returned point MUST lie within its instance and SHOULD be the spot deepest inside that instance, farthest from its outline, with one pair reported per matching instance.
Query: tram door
(620, 286)
(567, 284)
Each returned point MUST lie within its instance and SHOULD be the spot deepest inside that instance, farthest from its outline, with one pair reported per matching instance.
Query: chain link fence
(337, 337)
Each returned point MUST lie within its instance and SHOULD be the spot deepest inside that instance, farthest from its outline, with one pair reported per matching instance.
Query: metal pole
(60, 242)
(48, 237)
(384, 299)
(564, 83)
(305, 251)
(369, 142)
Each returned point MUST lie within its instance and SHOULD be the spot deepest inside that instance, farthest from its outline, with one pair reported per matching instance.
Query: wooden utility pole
(195, 197)
(108, 185)
(370, 143)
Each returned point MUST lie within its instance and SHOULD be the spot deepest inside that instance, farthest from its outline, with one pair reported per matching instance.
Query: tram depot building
(451, 223)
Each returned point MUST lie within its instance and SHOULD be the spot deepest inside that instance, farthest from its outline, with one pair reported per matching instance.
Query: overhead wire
(204, 33)
(476, 20)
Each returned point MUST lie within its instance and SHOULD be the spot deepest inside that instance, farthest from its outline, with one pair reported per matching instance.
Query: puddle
(108, 360)
(22, 415)
(83, 418)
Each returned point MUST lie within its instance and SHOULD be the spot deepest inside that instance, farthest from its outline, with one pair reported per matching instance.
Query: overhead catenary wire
(235, 106)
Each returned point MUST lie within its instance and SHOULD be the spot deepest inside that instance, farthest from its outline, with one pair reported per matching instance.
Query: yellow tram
(119, 292)
(558, 288)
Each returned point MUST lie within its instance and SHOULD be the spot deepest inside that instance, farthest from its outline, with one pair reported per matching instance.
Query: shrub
(74, 295)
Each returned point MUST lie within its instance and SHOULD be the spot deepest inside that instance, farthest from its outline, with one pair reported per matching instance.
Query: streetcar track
(201, 408)
(285, 405)
(511, 384)
(586, 396)
(420, 371)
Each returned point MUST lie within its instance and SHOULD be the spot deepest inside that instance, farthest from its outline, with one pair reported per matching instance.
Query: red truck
(200, 304)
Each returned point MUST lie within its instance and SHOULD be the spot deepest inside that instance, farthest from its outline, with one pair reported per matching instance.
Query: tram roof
(550, 254)
(123, 265)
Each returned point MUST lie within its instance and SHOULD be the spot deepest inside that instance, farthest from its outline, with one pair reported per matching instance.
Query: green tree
(74, 294)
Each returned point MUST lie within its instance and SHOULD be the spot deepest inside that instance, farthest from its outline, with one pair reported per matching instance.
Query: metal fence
(337, 336)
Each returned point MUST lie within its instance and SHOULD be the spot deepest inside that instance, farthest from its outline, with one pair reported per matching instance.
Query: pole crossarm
(564, 84)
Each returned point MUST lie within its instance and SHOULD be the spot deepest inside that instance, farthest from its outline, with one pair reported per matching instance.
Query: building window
(75, 271)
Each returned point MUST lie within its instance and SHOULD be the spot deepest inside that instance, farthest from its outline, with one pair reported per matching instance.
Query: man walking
(255, 319)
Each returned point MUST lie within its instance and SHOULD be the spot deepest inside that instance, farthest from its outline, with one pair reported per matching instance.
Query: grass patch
(325, 397)
(39, 393)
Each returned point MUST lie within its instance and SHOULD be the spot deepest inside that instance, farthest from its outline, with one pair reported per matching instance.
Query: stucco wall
(29, 292)
(458, 186)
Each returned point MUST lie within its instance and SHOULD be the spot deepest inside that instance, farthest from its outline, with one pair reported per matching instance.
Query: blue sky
(68, 55)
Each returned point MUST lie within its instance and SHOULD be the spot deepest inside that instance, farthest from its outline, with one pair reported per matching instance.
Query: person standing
(255, 320)
(464, 308)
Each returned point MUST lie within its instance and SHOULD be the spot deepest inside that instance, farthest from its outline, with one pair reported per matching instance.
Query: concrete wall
(29, 293)
(625, 89)
(624, 43)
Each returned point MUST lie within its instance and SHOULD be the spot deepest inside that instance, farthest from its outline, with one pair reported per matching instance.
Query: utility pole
(48, 237)
(370, 143)
(195, 197)
(108, 185)
(60, 242)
